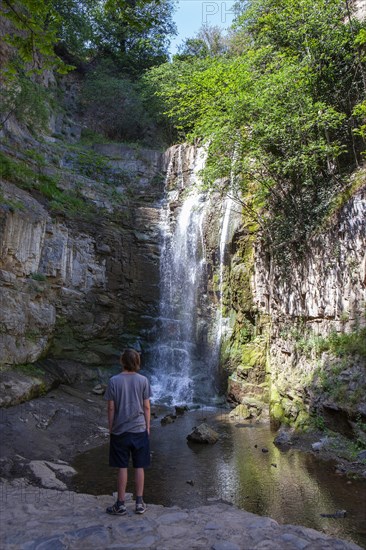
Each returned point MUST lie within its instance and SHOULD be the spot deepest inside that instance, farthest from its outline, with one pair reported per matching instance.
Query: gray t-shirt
(128, 391)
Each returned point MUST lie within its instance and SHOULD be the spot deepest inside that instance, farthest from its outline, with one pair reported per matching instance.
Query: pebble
(53, 519)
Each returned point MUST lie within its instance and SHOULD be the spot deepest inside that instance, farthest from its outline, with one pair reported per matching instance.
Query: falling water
(180, 167)
(180, 362)
(223, 240)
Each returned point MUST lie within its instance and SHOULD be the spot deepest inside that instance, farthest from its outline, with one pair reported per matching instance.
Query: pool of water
(287, 485)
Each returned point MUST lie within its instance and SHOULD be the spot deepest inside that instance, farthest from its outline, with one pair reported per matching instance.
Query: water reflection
(289, 486)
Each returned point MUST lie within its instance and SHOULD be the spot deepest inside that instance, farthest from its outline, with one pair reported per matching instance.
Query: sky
(190, 15)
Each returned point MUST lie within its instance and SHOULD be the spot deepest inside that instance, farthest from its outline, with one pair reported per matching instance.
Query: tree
(33, 34)
(135, 33)
(277, 110)
(208, 42)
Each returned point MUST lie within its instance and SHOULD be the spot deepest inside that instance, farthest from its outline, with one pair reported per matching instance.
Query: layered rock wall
(299, 337)
(79, 287)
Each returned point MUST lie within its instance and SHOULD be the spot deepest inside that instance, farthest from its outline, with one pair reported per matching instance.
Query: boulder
(241, 411)
(181, 409)
(168, 419)
(284, 437)
(203, 434)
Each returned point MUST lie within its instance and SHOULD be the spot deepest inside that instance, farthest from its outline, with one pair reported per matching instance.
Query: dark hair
(130, 360)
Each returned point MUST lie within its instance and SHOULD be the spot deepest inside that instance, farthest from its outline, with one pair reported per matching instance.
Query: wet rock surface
(54, 519)
(203, 434)
(54, 427)
(35, 481)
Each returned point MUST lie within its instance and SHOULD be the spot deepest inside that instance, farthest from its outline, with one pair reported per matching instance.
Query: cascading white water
(176, 355)
(223, 241)
(180, 362)
(224, 234)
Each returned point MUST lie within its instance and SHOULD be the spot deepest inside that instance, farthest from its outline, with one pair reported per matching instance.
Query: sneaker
(140, 508)
(117, 509)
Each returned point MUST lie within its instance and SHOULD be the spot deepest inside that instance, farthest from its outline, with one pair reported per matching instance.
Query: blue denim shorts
(124, 446)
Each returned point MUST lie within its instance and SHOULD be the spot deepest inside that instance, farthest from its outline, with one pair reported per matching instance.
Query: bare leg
(122, 483)
(139, 481)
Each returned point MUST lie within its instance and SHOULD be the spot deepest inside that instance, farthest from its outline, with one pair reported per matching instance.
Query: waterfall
(223, 240)
(224, 236)
(180, 362)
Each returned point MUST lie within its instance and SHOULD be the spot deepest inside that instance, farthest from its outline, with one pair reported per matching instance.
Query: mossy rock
(277, 412)
(242, 371)
(274, 395)
(254, 353)
(241, 411)
(302, 421)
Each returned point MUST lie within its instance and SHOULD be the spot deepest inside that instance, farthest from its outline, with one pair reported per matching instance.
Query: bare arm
(110, 414)
(147, 414)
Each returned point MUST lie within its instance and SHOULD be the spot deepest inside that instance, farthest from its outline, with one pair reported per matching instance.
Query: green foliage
(89, 137)
(76, 28)
(340, 199)
(360, 112)
(26, 100)
(33, 34)
(89, 163)
(26, 177)
(10, 203)
(339, 344)
(53, 33)
(277, 112)
(209, 41)
(134, 33)
(16, 172)
(113, 105)
(38, 277)
(317, 422)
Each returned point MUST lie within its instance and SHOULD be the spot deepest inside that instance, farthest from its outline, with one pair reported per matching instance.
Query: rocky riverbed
(41, 437)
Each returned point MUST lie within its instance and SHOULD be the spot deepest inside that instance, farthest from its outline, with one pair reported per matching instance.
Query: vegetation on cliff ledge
(281, 103)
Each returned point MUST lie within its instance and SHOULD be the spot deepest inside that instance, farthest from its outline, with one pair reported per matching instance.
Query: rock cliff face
(77, 285)
(80, 280)
(299, 339)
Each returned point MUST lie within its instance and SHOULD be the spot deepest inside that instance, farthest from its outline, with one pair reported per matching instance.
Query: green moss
(38, 276)
(11, 203)
(29, 369)
(254, 353)
(302, 421)
(274, 394)
(277, 412)
(16, 171)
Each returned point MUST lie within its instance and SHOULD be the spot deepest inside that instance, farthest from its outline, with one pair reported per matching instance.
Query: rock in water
(283, 437)
(203, 434)
(181, 409)
(168, 419)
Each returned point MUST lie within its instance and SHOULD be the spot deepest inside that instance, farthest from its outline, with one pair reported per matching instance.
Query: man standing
(128, 396)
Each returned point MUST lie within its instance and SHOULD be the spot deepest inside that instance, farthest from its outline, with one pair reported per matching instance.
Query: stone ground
(34, 518)
(38, 512)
